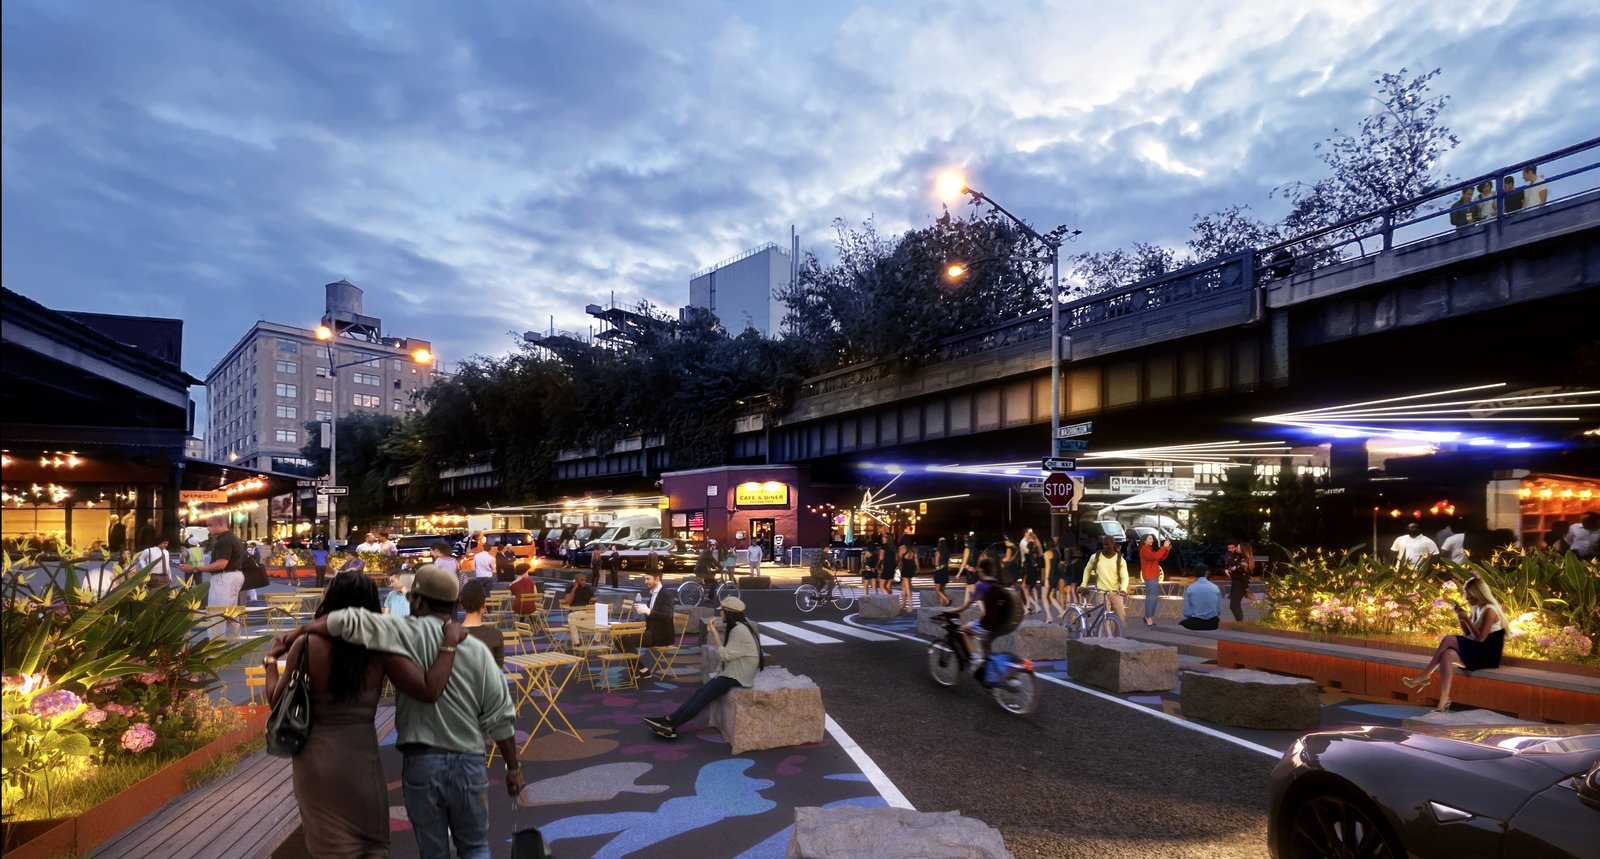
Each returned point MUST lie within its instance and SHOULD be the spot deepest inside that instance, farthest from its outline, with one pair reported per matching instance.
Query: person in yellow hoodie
(1108, 571)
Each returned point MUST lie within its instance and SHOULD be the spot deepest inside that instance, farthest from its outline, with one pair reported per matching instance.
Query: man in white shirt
(753, 554)
(157, 560)
(483, 564)
(370, 544)
(1413, 548)
(1584, 537)
(656, 605)
(1453, 545)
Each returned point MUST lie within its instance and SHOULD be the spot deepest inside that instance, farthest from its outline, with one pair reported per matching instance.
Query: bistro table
(541, 674)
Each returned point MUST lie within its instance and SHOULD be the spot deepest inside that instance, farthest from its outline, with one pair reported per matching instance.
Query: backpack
(1011, 608)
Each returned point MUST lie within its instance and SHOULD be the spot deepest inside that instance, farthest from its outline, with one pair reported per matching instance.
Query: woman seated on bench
(738, 662)
(1478, 648)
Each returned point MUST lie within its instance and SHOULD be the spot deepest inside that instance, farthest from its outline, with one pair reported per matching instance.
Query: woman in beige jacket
(738, 662)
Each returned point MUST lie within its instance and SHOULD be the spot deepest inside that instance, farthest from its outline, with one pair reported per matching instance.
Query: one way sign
(1054, 464)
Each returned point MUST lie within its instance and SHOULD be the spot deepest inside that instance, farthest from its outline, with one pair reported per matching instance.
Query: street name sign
(1053, 464)
(1059, 490)
(1074, 430)
(333, 490)
(1071, 445)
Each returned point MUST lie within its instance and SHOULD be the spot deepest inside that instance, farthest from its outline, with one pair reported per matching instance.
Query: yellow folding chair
(626, 661)
(669, 657)
(256, 678)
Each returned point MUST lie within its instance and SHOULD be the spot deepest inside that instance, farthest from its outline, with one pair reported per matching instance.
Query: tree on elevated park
(1234, 512)
(1393, 156)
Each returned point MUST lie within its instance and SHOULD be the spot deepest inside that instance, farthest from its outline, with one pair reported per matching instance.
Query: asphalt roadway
(1080, 777)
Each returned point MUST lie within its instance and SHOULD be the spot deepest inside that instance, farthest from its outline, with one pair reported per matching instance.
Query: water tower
(343, 314)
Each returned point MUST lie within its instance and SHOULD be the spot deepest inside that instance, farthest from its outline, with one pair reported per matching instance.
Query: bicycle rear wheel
(725, 590)
(805, 598)
(844, 597)
(690, 592)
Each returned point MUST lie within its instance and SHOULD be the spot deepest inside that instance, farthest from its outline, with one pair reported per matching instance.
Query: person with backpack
(1002, 613)
(738, 663)
(1109, 571)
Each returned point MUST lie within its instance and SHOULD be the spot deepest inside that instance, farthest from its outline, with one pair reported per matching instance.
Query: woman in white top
(1478, 648)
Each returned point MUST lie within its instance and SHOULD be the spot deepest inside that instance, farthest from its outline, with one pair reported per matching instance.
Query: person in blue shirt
(319, 559)
(1202, 602)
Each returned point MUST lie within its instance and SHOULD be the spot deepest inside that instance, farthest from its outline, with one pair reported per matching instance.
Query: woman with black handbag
(338, 780)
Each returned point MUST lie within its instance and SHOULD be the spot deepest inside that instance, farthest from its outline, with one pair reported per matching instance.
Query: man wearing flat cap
(445, 777)
(738, 662)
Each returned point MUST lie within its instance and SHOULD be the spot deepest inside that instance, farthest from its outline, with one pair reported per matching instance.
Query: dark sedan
(1525, 791)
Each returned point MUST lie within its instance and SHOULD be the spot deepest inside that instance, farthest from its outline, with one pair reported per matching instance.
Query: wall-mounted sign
(202, 496)
(1134, 485)
(680, 520)
(769, 494)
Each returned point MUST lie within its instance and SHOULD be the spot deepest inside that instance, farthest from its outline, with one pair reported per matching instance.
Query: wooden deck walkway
(246, 814)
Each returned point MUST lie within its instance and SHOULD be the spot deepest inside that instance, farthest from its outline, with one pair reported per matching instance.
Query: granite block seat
(1245, 698)
(782, 709)
(1123, 665)
(891, 833)
(879, 606)
(1035, 639)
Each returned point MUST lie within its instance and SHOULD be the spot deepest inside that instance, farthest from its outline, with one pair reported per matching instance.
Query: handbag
(255, 575)
(289, 724)
(529, 844)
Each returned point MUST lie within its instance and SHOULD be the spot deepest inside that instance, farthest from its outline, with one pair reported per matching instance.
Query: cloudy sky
(480, 167)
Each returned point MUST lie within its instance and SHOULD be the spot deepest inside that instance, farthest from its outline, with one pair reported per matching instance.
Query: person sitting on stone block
(739, 661)
(1202, 601)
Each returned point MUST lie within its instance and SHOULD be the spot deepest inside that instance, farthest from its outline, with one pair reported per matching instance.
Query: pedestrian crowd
(1469, 209)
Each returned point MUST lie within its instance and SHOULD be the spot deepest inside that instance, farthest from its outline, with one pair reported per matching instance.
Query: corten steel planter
(80, 835)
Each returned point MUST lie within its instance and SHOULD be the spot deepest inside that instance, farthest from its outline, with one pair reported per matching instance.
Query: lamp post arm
(980, 197)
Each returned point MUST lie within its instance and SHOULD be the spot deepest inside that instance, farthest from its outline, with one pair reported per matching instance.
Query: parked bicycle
(824, 586)
(1010, 681)
(1088, 619)
(692, 591)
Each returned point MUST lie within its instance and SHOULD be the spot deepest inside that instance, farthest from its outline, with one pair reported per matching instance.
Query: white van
(632, 528)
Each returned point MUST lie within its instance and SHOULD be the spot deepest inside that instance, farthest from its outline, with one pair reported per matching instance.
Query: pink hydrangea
(120, 710)
(22, 684)
(53, 704)
(152, 678)
(138, 738)
(94, 715)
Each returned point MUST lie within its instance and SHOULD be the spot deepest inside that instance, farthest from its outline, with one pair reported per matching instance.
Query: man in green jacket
(445, 778)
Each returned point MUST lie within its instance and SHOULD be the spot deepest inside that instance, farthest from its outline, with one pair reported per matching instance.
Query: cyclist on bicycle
(822, 577)
(997, 616)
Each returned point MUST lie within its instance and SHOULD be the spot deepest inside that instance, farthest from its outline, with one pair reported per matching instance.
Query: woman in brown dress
(338, 780)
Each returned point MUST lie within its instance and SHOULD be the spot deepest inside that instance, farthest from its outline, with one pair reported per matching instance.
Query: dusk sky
(480, 167)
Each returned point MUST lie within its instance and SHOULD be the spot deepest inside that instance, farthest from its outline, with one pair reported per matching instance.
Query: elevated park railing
(1225, 291)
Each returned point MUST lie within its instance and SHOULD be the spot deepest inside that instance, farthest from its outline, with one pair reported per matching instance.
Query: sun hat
(435, 583)
(733, 604)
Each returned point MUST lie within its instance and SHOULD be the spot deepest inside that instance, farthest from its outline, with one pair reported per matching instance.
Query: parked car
(672, 554)
(521, 543)
(584, 556)
(416, 545)
(1524, 790)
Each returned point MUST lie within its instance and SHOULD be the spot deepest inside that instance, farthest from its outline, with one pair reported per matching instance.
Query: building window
(287, 390)
(324, 415)
(324, 395)
(288, 412)
(367, 379)
(397, 384)
(324, 373)
(289, 436)
(366, 401)
(287, 345)
(397, 406)
(288, 367)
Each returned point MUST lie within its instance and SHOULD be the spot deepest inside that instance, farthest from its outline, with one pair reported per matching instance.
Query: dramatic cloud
(480, 168)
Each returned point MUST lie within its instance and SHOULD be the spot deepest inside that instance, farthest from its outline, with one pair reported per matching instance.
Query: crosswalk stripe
(841, 629)
(800, 632)
(769, 641)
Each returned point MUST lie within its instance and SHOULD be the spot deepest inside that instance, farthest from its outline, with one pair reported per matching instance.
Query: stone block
(1456, 718)
(847, 832)
(783, 709)
(1035, 639)
(928, 622)
(879, 606)
(755, 583)
(1245, 698)
(1123, 665)
(699, 615)
(709, 661)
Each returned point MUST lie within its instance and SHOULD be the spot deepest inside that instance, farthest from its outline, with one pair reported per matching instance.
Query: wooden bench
(246, 814)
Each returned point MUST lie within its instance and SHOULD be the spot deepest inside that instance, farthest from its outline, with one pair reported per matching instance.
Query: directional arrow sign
(333, 490)
(1071, 445)
(1073, 430)
(1052, 464)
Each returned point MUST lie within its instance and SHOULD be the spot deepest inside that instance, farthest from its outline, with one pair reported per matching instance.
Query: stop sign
(1058, 491)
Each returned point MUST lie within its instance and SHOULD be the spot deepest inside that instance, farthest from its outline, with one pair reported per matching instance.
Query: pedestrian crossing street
(777, 633)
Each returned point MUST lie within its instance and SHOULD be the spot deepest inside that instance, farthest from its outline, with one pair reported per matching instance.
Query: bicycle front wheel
(1110, 626)
(1075, 624)
(690, 592)
(944, 664)
(844, 597)
(805, 598)
(1017, 695)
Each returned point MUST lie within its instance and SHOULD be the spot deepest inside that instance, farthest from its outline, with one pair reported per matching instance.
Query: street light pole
(325, 334)
(951, 182)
